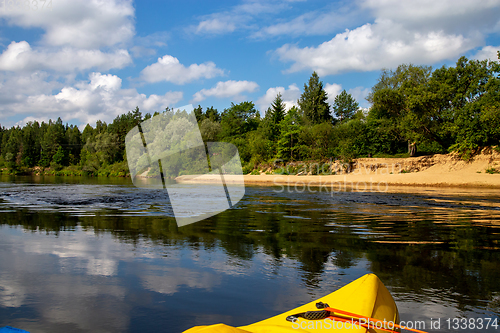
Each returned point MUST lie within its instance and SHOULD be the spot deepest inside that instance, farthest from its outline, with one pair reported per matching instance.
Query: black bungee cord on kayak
(311, 315)
(329, 312)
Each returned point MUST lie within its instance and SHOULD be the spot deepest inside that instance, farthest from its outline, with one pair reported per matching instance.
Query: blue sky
(84, 60)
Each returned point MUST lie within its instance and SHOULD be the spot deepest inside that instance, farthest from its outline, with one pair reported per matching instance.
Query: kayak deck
(366, 297)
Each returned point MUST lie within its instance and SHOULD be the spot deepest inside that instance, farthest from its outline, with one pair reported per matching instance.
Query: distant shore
(380, 174)
(357, 182)
(363, 174)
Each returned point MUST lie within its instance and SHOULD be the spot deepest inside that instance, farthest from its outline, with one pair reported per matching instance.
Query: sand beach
(380, 174)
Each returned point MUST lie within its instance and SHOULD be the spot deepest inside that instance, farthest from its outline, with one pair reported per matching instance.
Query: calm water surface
(93, 255)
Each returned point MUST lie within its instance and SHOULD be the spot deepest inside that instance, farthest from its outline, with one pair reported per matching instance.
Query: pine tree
(278, 109)
(345, 106)
(198, 112)
(31, 144)
(290, 130)
(313, 101)
(275, 114)
(213, 114)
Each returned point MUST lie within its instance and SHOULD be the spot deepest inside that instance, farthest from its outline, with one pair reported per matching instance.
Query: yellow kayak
(364, 305)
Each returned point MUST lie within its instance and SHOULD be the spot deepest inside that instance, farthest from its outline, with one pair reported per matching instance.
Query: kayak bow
(361, 306)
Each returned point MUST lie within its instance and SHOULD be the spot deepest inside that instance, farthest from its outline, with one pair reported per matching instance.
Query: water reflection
(110, 262)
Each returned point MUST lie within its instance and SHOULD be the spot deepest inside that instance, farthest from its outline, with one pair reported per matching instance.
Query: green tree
(394, 79)
(198, 112)
(74, 140)
(2, 131)
(263, 142)
(239, 119)
(313, 101)
(236, 122)
(261, 148)
(60, 158)
(105, 147)
(476, 101)
(351, 139)
(278, 109)
(31, 144)
(290, 129)
(13, 148)
(316, 141)
(89, 162)
(100, 126)
(210, 130)
(213, 114)
(409, 99)
(52, 139)
(120, 126)
(345, 106)
(277, 113)
(88, 133)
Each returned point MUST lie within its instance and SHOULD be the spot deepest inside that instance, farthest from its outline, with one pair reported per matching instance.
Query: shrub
(492, 171)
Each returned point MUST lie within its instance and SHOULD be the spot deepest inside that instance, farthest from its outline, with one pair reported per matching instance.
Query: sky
(88, 60)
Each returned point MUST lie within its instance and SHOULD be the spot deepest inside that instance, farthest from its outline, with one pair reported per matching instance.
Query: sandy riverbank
(383, 174)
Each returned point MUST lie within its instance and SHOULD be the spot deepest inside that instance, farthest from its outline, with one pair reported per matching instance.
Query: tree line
(453, 108)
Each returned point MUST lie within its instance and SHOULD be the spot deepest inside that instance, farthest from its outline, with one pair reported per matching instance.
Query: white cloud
(169, 69)
(146, 45)
(216, 25)
(367, 48)
(142, 51)
(487, 52)
(21, 57)
(359, 94)
(289, 96)
(168, 281)
(37, 81)
(227, 89)
(15, 87)
(332, 91)
(78, 23)
(12, 293)
(99, 98)
(106, 82)
(421, 32)
(72, 295)
(309, 24)
(319, 22)
(102, 266)
(237, 17)
(450, 16)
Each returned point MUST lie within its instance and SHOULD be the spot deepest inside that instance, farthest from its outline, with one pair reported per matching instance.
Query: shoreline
(417, 179)
(378, 174)
(363, 174)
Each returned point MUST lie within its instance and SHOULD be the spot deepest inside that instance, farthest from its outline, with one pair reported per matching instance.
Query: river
(99, 255)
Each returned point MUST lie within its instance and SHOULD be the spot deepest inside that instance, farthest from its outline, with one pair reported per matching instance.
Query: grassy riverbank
(119, 169)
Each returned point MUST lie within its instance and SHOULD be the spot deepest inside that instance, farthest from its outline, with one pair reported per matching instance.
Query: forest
(448, 109)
